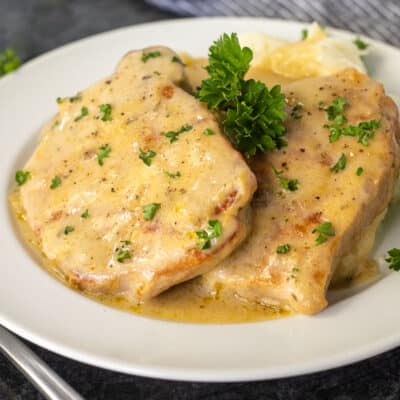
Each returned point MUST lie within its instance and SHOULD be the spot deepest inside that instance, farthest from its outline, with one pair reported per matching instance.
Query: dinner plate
(42, 310)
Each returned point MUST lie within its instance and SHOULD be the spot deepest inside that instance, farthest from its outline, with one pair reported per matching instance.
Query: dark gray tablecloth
(36, 26)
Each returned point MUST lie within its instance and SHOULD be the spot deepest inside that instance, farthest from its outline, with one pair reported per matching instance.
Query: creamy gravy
(186, 302)
(183, 303)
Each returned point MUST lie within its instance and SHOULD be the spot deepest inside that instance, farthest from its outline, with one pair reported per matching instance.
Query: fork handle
(40, 374)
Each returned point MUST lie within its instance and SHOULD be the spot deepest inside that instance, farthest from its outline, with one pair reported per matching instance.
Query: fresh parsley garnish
(364, 130)
(68, 229)
(340, 164)
(252, 115)
(56, 182)
(149, 211)
(21, 177)
(105, 110)
(84, 113)
(9, 61)
(297, 110)
(123, 253)
(294, 272)
(177, 174)
(176, 59)
(103, 152)
(361, 45)
(77, 97)
(151, 54)
(283, 248)
(288, 184)
(393, 259)
(173, 135)
(359, 171)
(147, 157)
(304, 34)
(213, 231)
(324, 230)
(208, 132)
(85, 214)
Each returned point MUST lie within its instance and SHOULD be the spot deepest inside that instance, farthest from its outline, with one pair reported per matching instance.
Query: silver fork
(35, 370)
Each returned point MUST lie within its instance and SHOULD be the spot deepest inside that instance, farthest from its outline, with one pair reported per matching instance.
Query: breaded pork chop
(281, 262)
(132, 187)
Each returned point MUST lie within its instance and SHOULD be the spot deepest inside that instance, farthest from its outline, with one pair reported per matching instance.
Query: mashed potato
(317, 55)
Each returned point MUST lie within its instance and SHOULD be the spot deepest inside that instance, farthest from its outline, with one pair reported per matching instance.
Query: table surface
(36, 26)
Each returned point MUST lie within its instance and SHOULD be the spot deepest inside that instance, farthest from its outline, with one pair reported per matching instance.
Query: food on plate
(318, 197)
(133, 188)
(316, 54)
(262, 178)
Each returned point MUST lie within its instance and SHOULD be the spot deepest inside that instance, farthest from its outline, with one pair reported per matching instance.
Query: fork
(35, 370)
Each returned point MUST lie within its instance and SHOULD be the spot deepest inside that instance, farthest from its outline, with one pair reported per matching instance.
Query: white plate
(42, 310)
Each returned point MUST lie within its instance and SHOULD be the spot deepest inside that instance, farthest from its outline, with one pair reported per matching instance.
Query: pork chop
(133, 187)
(300, 236)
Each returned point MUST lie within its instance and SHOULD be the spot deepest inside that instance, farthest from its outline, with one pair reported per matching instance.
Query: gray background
(33, 27)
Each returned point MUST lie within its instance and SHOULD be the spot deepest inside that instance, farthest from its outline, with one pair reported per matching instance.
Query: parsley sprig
(151, 54)
(103, 152)
(21, 177)
(9, 61)
(213, 231)
(173, 135)
(84, 113)
(149, 211)
(324, 230)
(105, 112)
(288, 184)
(252, 115)
(364, 130)
(340, 165)
(147, 157)
(283, 248)
(393, 259)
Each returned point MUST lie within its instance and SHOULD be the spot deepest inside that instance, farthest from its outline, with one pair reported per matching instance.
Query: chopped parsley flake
(208, 132)
(9, 61)
(151, 54)
(147, 157)
(324, 230)
(294, 273)
(176, 59)
(21, 177)
(105, 110)
(85, 214)
(213, 231)
(393, 259)
(360, 171)
(364, 130)
(173, 135)
(283, 248)
(288, 184)
(59, 100)
(103, 152)
(173, 175)
(123, 255)
(361, 45)
(84, 113)
(56, 182)
(252, 115)
(340, 165)
(68, 229)
(149, 211)
(304, 34)
(77, 97)
(296, 112)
